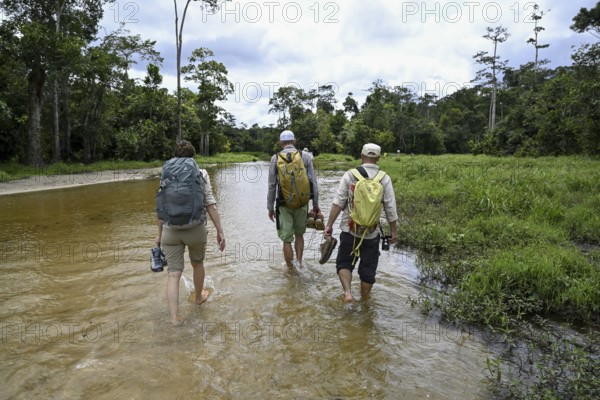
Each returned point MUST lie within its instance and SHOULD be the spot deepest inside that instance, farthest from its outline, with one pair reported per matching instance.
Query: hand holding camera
(385, 243)
(385, 239)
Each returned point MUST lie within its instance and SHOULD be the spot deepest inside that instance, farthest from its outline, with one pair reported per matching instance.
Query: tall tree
(37, 25)
(326, 98)
(350, 105)
(212, 5)
(536, 17)
(213, 86)
(127, 46)
(30, 28)
(76, 24)
(588, 20)
(58, 11)
(96, 75)
(462, 118)
(493, 66)
(13, 97)
(290, 103)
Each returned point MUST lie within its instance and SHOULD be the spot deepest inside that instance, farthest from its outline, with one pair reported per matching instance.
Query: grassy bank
(510, 244)
(514, 236)
(14, 171)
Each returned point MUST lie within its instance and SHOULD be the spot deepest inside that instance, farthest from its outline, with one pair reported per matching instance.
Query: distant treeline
(65, 95)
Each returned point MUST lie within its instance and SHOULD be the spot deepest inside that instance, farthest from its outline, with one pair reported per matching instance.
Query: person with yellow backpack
(292, 184)
(361, 195)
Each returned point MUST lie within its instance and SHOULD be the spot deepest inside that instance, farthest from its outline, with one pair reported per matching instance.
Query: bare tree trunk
(492, 122)
(67, 151)
(403, 141)
(87, 153)
(494, 89)
(178, 45)
(36, 79)
(55, 102)
(56, 122)
(178, 42)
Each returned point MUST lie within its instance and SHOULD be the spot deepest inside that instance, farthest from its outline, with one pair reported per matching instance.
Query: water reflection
(83, 316)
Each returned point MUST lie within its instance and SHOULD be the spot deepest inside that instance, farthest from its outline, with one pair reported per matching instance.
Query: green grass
(482, 212)
(223, 158)
(511, 244)
(14, 171)
(533, 279)
(334, 162)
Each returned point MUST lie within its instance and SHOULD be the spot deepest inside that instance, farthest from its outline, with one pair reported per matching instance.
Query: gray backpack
(180, 198)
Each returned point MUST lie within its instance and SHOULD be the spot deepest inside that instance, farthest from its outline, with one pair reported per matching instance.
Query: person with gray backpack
(184, 198)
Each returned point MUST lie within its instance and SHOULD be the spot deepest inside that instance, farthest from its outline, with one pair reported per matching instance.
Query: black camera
(158, 260)
(385, 243)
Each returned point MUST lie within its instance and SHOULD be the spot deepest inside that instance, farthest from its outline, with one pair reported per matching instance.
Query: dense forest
(65, 95)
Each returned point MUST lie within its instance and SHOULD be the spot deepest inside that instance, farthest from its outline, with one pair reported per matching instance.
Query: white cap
(371, 150)
(286, 136)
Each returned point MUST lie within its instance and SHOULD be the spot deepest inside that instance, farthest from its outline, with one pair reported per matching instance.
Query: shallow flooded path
(83, 316)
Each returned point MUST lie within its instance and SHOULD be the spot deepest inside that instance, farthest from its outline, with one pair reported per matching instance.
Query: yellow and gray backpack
(294, 186)
(365, 204)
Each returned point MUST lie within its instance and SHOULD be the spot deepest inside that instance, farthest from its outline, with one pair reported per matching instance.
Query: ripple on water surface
(83, 315)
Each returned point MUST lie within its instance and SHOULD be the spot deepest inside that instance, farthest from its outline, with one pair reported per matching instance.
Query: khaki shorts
(174, 241)
(291, 222)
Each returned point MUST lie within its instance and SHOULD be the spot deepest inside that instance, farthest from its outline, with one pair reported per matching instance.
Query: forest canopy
(66, 95)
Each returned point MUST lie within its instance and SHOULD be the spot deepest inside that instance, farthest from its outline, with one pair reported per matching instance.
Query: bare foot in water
(176, 322)
(203, 297)
(348, 298)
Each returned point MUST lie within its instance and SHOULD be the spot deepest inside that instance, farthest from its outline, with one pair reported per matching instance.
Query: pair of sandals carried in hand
(315, 220)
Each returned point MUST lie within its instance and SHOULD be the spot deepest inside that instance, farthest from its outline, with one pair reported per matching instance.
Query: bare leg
(346, 280)
(365, 290)
(288, 255)
(173, 297)
(299, 246)
(201, 295)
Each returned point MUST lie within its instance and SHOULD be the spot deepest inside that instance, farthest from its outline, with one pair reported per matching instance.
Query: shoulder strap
(360, 173)
(288, 156)
(363, 172)
(357, 174)
(379, 176)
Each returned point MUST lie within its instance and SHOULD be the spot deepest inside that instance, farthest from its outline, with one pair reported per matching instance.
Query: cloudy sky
(425, 45)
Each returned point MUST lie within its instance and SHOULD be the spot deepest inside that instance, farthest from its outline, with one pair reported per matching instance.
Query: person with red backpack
(292, 184)
(361, 195)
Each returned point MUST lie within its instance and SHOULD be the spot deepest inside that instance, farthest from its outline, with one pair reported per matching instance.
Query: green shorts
(174, 241)
(291, 222)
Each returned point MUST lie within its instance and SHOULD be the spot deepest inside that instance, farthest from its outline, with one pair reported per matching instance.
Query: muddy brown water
(82, 315)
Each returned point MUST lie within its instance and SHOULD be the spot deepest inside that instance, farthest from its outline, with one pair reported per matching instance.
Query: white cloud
(426, 45)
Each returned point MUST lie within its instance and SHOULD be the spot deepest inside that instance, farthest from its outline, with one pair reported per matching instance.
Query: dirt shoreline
(48, 182)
